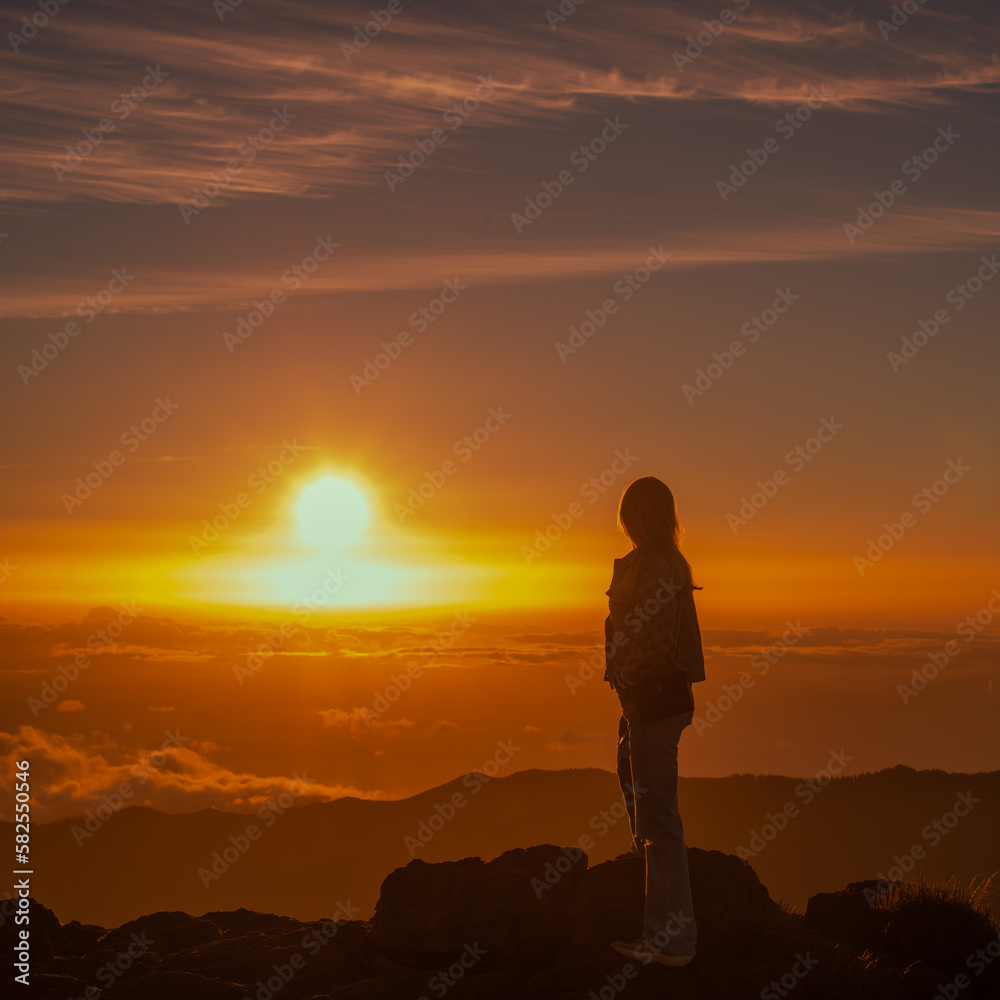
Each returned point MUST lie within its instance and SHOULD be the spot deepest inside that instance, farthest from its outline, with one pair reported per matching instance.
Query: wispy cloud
(351, 116)
(904, 232)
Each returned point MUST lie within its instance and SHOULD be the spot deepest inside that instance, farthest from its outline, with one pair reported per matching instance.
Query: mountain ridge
(852, 829)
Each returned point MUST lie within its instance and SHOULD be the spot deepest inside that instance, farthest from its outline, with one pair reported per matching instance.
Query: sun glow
(331, 550)
(332, 514)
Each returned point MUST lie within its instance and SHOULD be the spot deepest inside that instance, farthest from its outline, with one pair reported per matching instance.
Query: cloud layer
(366, 712)
(354, 113)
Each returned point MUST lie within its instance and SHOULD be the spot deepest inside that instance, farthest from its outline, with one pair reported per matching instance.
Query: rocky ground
(530, 923)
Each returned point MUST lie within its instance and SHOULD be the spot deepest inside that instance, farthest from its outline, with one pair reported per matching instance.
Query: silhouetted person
(654, 655)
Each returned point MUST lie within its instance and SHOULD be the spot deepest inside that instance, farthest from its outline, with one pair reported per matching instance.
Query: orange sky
(513, 267)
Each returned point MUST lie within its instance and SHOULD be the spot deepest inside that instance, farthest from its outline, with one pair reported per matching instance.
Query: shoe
(644, 952)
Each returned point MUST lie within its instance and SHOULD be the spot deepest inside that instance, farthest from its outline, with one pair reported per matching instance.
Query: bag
(662, 695)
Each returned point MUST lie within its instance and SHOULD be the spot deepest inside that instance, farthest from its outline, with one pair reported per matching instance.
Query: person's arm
(609, 649)
(651, 624)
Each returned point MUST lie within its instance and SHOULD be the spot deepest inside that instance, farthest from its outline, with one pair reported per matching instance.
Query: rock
(46, 934)
(237, 922)
(107, 966)
(744, 939)
(171, 985)
(513, 906)
(163, 932)
(80, 938)
(48, 986)
(50, 939)
(305, 958)
(730, 902)
(607, 905)
(533, 924)
(846, 915)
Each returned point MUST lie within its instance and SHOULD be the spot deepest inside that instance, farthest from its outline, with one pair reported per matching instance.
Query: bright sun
(357, 561)
(332, 514)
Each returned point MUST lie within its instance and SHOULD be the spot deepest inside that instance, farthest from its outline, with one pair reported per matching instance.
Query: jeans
(647, 772)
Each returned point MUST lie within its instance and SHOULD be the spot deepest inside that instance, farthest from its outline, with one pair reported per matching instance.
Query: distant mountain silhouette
(142, 860)
(532, 924)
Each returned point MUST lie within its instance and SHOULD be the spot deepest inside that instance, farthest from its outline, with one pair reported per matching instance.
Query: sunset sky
(213, 235)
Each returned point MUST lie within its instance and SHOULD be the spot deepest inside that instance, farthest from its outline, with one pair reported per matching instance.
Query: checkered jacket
(653, 624)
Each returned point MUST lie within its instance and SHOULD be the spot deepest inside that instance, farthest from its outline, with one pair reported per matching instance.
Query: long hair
(647, 515)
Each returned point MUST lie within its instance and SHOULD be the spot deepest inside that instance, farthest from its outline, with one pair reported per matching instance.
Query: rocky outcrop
(534, 923)
(513, 907)
(934, 933)
(847, 915)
